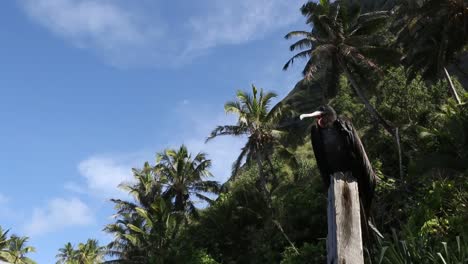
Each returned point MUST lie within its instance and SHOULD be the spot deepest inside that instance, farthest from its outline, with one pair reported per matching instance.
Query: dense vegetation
(383, 65)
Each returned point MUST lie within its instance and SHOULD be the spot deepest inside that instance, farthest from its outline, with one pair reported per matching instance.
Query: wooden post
(344, 241)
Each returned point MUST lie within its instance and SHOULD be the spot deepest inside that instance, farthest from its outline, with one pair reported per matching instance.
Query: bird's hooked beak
(314, 114)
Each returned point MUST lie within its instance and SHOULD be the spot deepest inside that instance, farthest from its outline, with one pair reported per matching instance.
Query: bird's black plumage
(337, 147)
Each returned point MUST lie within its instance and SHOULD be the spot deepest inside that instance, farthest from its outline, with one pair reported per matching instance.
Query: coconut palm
(258, 123)
(89, 252)
(66, 255)
(143, 235)
(130, 229)
(433, 33)
(86, 253)
(145, 188)
(145, 227)
(4, 243)
(343, 40)
(18, 250)
(127, 245)
(184, 176)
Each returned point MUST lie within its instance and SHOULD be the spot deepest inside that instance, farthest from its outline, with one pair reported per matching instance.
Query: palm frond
(227, 130)
(300, 33)
(302, 55)
(204, 198)
(237, 164)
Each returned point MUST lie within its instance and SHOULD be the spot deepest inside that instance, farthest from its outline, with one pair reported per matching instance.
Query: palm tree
(89, 252)
(343, 41)
(146, 187)
(258, 124)
(144, 236)
(433, 33)
(145, 227)
(184, 176)
(4, 243)
(86, 253)
(66, 255)
(128, 245)
(131, 230)
(18, 250)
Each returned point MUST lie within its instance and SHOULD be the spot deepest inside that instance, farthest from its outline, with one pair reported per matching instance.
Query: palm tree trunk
(367, 104)
(262, 179)
(280, 228)
(390, 129)
(275, 176)
(452, 89)
(400, 160)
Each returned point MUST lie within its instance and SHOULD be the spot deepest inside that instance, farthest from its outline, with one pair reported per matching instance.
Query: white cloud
(57, 215)
(103, 173)
(236, 22)
(135, 33)
(105, 26)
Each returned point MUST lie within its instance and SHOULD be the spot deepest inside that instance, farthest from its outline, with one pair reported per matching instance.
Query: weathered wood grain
(344, 241)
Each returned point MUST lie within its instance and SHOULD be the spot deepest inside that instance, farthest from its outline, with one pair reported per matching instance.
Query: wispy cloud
(125, 34)
(106, 27)
(240, 21)
(57, 215)
(103, 173)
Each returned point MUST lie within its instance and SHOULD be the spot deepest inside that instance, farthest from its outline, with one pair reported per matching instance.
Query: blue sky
(91, 88)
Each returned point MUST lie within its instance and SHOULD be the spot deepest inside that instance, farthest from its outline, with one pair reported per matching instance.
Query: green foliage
(184, 176)
(342, 40)
(308, 253)
(431, 34)
(147, 229)
(14, 249)
(441, 211)
(201, 257)
(415, 250)
(446, 139)
(85, 253)
(408, 103)
(258, 123)
(430, 202)
(235, 223)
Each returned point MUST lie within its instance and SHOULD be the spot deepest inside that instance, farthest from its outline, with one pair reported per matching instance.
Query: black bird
(337, 147)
